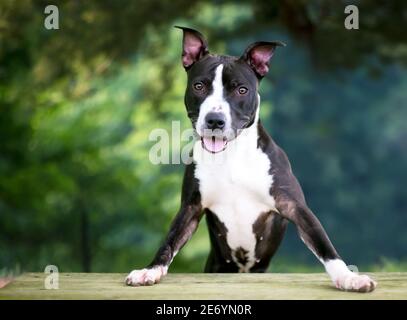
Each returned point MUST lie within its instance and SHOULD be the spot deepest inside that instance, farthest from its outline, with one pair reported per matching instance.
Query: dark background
(77, 105)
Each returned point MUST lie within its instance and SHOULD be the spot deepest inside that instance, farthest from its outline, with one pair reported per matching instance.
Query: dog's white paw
(146, 277)
(355, 282)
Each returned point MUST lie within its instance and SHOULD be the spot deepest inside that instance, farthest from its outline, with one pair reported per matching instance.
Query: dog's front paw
(355, 282)
(146, 277)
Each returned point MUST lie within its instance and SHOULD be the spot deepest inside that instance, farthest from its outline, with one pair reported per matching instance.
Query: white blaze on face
(215, 102)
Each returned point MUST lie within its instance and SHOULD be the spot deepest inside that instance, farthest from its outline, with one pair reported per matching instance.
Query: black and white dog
(239, 178)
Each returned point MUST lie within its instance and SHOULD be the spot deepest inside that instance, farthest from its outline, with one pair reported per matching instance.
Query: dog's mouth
(214, 144)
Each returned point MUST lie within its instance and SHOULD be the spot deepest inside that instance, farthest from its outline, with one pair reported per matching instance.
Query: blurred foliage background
(77, 105)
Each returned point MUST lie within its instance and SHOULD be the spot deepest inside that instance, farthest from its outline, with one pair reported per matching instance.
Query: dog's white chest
(235, 185)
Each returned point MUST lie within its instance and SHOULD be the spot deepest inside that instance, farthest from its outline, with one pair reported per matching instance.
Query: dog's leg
(181, 230)
(314, 236)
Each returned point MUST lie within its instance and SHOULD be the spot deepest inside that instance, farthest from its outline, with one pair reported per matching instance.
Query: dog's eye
(198, 86)
(242, 90)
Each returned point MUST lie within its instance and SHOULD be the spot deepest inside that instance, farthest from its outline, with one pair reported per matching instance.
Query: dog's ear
(194, 46)
(258, 55)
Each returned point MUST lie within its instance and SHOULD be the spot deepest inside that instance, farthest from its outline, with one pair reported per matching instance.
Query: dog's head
(221, 96)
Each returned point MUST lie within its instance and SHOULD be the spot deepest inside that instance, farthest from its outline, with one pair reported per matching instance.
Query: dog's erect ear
(194, 46)
(258, 55)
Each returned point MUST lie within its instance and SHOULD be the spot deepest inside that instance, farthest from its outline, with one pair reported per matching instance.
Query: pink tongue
(214, 144)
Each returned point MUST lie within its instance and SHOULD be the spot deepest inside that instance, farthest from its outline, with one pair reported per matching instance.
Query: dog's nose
(215, 120)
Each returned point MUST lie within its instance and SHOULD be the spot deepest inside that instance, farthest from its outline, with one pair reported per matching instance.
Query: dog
(240, 179)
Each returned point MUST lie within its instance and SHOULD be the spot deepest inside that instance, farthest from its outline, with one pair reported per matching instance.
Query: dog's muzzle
(213, 138)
